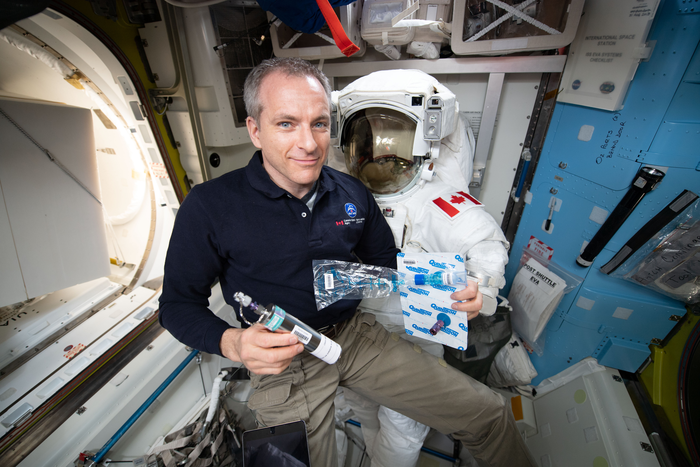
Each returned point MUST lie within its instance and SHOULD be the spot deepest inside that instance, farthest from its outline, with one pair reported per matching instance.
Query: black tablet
(280, 446)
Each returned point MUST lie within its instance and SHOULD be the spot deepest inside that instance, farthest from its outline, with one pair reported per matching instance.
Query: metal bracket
(646, 447)
(488, 123)
(477, 178)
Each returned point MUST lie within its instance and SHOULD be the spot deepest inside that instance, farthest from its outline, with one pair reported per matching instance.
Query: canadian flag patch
(455, 203)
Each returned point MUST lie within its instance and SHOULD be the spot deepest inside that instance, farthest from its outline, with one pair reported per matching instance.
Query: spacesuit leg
(399, 440)
(366, 413)
(391, 439)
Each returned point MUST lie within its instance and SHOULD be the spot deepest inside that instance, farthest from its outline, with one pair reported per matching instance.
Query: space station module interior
(548, 148)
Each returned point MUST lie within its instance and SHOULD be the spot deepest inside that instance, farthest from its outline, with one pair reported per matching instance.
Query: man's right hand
(261, 351)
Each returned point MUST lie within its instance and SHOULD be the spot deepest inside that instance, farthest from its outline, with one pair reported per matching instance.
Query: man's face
(293, 130)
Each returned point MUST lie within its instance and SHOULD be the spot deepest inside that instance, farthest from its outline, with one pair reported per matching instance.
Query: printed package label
(423, 305)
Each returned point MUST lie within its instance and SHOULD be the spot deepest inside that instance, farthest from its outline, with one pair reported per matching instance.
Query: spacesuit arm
(492, 272)
(485, 251)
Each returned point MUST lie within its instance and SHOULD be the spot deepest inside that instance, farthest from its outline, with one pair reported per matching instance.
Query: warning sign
(74, 351)
(158, 170)
(539, 249)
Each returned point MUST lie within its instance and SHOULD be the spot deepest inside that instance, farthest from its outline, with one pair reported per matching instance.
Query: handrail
(121, 431)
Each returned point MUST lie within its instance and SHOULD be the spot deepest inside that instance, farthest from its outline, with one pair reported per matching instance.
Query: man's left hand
(468, 300)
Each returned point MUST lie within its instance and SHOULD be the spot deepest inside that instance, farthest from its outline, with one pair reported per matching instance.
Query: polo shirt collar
(261, 181)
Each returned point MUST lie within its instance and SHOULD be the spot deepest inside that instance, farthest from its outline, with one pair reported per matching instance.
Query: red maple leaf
(457, 199)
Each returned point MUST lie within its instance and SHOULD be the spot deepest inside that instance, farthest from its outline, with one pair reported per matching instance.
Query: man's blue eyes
(317, 125)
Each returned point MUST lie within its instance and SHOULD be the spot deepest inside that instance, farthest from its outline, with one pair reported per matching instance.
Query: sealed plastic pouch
(536, 292)
(669, 263)
(335, 280)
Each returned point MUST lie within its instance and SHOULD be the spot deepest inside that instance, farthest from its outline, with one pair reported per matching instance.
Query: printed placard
(539, 249)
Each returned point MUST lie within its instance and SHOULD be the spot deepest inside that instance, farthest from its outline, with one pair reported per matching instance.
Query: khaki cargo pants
(392, 372)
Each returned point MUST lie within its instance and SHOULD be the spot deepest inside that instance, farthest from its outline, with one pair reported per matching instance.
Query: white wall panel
(11, 283)
(57, 226)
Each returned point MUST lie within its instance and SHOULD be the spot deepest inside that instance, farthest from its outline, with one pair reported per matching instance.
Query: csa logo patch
(351, 210)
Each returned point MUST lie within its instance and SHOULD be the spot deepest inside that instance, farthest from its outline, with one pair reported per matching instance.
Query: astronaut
(400, 132)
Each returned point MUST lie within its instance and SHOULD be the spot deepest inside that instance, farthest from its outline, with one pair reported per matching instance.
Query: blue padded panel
(685, 104)
(692, 74)
(675, 145)
(623, 354)
(657, 126)
(623, 307)
(565, 345)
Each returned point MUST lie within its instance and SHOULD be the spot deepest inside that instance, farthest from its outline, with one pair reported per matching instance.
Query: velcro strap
(481, 278)
(168, 459)
(198, 450)
(177, 444)
(188, 453)
(339, 36)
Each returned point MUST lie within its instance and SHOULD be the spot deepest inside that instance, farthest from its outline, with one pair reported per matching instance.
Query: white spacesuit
(400, 132)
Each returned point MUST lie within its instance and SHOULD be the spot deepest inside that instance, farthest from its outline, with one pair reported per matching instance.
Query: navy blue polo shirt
(258, 239)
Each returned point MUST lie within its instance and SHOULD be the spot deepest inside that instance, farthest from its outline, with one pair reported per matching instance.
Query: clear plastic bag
(335, 280)
(669, 263)
(571, 280)
(536, 292)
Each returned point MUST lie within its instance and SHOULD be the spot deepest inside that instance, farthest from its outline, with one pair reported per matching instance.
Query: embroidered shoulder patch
(455, 203)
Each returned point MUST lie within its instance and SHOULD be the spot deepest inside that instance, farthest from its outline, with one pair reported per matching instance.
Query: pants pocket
(270, 396)
(274, 404)
(369, 328)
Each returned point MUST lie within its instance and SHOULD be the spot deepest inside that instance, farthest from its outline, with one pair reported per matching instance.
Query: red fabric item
(470, 198)
(447, 207)
(341, 39)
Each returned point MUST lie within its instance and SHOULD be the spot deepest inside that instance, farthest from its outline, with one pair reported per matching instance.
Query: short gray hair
(288, 66)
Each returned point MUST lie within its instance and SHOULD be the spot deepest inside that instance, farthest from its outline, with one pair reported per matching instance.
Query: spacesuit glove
(490, 300)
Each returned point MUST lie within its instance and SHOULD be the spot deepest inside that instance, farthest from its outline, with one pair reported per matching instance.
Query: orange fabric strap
(341, 39)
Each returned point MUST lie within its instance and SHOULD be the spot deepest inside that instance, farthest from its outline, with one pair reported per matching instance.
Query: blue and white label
(445, 288)
(450, 331)
(420, 311)
(423, 330)
(419, 291)
(449, 311)
(434, 263)
(350, 209)
(276, 319)
(417, 270)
